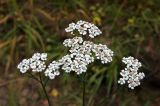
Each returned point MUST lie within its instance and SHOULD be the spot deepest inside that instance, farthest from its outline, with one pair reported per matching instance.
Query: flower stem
(33, 77)
(44, 89)
(84, 88)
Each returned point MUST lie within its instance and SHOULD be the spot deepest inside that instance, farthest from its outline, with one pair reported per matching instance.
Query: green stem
(84, 88)
(83, 93)
(44, 89)
(33, 77)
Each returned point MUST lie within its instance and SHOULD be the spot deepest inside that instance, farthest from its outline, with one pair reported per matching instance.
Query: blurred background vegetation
(130, 27)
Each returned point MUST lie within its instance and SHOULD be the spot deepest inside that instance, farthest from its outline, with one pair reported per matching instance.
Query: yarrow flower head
(84, 28)
(72, 42)
(130, 74)
(103, 53)
(36, 63)
(53, 69)
(24, 65)
(82, 54)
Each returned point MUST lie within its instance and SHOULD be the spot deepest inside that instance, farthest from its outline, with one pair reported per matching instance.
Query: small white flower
(36, 56)
(141, 75)
(121, 81)
(44, 56)
(130, 73)
(124, 73)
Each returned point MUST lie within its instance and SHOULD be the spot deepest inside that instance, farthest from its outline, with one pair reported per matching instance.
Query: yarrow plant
(81, 54)
(37, 65)
(130, 74)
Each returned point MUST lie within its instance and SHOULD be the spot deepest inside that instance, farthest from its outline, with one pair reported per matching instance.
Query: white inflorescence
(103, 53)
(81, 54)
(72, 42)
(53, 69)
(130, 73)
(36, 63)
(84, 28)
(78, 59)
(24, 65)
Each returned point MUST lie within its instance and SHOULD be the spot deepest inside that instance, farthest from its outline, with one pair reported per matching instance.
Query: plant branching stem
(32, 76)
(44, 89)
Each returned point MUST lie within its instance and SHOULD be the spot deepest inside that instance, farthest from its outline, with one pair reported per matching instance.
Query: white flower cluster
(72, 42)
(84, 28)
(24, 65)
(130, 73)
(103, 53)
(36, 63)
(77, 64)
(53, 69)
(82, 54)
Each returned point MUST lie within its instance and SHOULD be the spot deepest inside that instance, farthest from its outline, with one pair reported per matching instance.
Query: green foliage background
(130, 27)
